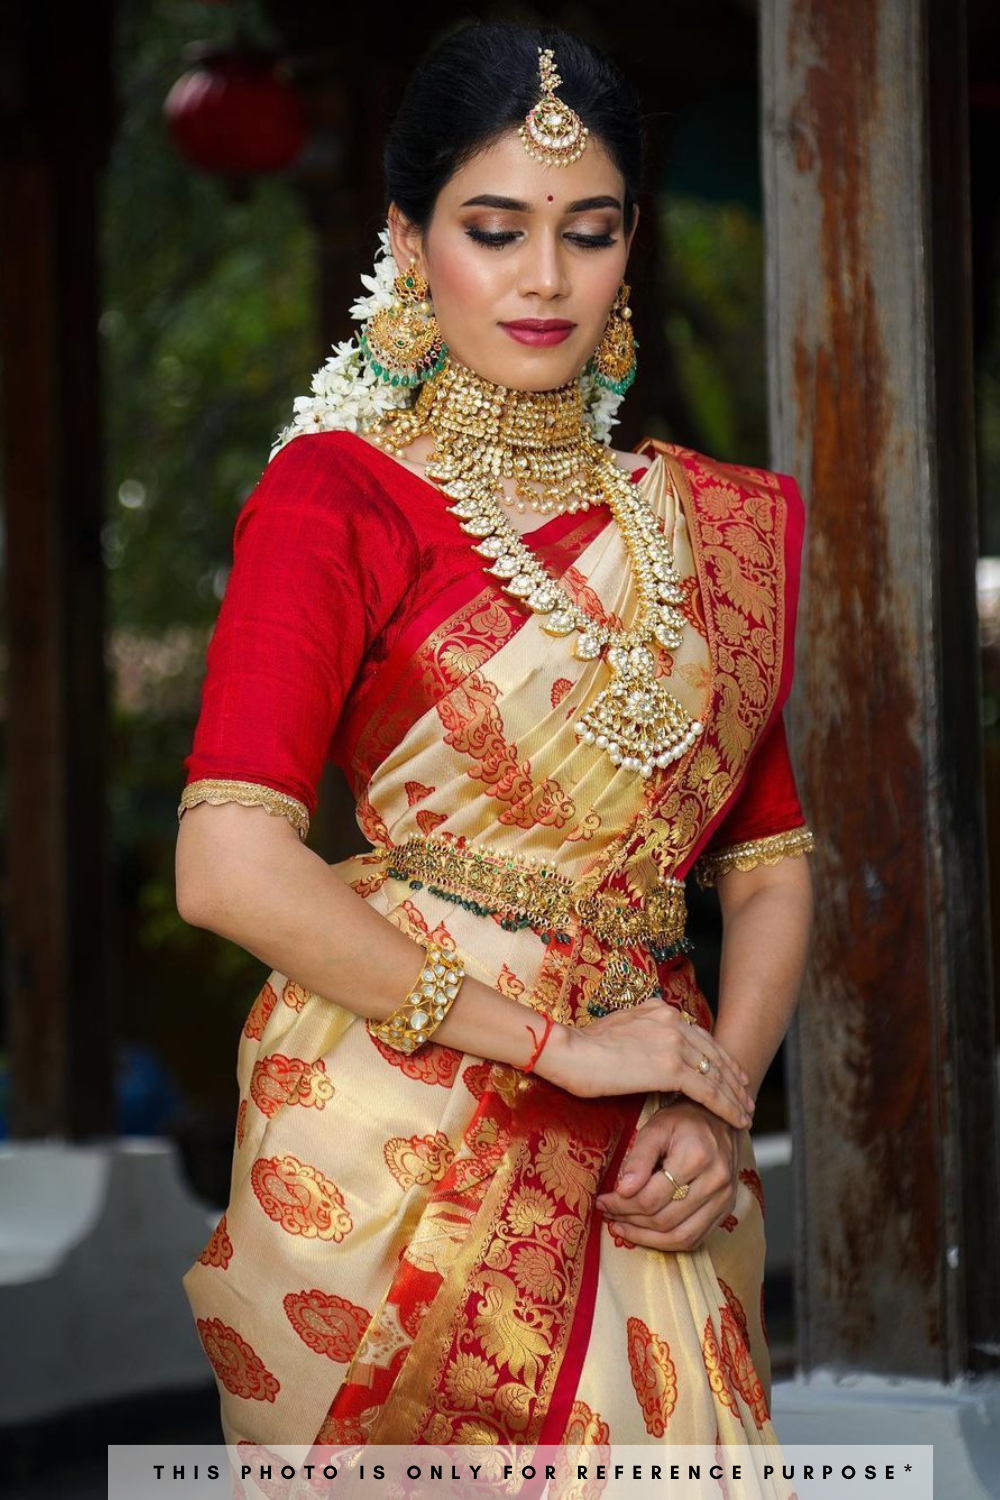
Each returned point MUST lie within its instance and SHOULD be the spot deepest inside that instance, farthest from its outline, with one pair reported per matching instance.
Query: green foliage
(208, 329)
(713, 268)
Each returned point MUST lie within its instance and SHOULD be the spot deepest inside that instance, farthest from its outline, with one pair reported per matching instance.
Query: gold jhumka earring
(613, 362)
(403, 342)
(552, 133)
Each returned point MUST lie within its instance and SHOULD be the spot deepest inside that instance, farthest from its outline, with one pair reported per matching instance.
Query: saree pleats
(411, 1251)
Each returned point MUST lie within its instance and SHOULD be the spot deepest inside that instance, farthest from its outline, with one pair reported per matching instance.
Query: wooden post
(56, 126)
(892, 1063)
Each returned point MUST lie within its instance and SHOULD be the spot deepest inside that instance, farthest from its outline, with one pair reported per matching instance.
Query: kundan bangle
(538, 1044)
(426, 1005)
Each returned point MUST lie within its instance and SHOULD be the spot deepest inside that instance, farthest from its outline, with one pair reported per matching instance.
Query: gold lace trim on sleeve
(765, 851)
(248, 794)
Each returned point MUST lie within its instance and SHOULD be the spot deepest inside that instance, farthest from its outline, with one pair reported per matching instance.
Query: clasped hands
(699, 1148)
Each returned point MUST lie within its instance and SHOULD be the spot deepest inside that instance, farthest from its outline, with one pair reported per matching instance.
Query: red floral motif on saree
(341, 1431)
(508, 984)
(473, 726)
(219, 1250)
(432, 1063)
(234, 1361)
(753, 1182)
(262, 1461)
(560, 688)
(739, 1367)
(416, 791)
(717, 1373)
(586, 598)
(277, 1080)
(418, 1159)
(736, 1308)
(585, 1429)
(654, 1375)
(428, 821)
(476, 1078)
(294, 995)
(586, 1426)
(260, 1012)
(729, 1223)
(369, 820)
(241, 1121)
(299, 1198)
(328, 1324)
(691, 607)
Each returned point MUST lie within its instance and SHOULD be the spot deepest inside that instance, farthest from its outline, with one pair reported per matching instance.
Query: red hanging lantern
(235, 113)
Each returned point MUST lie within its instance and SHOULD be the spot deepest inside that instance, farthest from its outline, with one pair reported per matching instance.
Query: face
(523, 261)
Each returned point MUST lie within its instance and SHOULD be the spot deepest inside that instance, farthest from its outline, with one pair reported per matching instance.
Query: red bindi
(549, 198)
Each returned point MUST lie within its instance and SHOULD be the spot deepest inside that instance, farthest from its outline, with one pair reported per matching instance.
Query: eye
(496, 238)
(592, 241)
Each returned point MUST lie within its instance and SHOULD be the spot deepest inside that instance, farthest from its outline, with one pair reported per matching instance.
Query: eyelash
(496, 241)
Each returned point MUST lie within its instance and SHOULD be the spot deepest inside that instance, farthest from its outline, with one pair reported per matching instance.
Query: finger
(651, 1144)
(720, 1062)
(685, 1236)
(655, 1206)
(700, 1033)
(710, 1089)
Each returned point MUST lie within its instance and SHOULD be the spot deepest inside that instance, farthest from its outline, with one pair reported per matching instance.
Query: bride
(493, 1179)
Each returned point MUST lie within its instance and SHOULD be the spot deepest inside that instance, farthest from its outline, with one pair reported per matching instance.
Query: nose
(542, 272)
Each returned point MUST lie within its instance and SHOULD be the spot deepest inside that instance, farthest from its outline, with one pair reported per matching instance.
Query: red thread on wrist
(538, 1044)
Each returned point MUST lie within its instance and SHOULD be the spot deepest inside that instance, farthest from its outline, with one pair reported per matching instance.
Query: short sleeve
(322, 559)
(766, 822)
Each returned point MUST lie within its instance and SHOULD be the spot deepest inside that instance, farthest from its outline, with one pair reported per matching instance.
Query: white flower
(599, 407)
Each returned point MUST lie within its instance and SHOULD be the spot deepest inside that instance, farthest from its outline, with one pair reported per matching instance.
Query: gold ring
(681, 1189)
(705, 1065)
(689, 1019)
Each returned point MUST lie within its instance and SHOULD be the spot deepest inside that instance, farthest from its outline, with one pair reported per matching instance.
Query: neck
(460, 401)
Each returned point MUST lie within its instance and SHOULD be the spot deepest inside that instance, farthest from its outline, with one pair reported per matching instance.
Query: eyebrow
(490, 200)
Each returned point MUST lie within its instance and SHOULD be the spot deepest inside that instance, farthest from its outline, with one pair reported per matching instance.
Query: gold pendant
(635, 718)
(621, 986)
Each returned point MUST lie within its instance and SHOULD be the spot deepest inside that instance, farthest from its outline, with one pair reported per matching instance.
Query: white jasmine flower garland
(348, 395)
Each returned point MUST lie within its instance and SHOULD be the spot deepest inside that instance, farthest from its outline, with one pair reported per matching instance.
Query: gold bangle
(428, 1002)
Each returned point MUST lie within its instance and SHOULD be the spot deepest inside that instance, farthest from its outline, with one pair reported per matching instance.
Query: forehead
(505, 169)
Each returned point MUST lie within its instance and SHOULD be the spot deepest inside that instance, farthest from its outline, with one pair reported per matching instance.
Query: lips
(541, 325)
(539, 331)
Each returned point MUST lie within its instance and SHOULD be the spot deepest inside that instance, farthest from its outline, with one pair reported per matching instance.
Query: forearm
(764, 950)
(277, 899)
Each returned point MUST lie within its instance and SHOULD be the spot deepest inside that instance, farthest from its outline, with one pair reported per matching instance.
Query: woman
(516, 1201)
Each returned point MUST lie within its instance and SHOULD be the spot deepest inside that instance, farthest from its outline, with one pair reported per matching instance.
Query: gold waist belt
(526, 892)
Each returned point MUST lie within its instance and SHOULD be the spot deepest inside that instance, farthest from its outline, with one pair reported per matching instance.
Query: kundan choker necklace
(485, 433)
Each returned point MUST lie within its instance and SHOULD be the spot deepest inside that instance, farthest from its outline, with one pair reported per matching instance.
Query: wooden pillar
(55, 122)
(892, 1062)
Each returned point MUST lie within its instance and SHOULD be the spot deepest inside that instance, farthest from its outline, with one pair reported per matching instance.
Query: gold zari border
(248, 794)
(519, 886)
(747, 856)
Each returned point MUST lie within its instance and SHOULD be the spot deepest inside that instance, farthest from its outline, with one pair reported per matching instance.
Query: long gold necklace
(484, 433)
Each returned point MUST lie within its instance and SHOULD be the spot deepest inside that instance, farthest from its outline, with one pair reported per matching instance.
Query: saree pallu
(411, 1251)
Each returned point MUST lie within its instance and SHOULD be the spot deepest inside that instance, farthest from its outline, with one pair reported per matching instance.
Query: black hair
(482, 80)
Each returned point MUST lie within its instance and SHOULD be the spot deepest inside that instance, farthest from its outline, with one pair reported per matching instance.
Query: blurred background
(171, 273)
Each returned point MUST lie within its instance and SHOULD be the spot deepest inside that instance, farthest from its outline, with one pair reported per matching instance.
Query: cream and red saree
(411, 1251)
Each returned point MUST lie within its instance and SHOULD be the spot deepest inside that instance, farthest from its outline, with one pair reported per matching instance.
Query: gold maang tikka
(552, 133)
